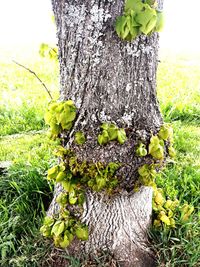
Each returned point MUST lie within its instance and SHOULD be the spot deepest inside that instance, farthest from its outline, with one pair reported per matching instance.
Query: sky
(182, 24)
(25, 22)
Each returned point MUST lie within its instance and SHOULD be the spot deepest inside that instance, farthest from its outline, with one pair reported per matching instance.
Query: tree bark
(109, 80)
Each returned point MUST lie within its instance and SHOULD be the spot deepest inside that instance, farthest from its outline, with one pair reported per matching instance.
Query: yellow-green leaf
(164, 218)
(80, 138)
(82, 233)
(121, 136)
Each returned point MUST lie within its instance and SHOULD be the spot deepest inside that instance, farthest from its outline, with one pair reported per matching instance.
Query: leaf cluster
(147, 174)
(63, 229)
(72, 175)
(60, 117)
(157, 144)
(156, 148)
(139, 17)
(167, 212)
(110, 132)
(75, 178)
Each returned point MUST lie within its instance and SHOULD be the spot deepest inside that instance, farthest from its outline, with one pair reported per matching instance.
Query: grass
(178, 91)
(181, 246)
(25, 193)
(22, 97)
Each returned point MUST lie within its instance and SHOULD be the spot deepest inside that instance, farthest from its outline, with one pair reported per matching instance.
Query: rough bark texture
(109, 80)
(117, 219)
(117, 225)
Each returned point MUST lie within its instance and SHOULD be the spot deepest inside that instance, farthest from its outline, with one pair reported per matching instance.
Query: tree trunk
(109, 80)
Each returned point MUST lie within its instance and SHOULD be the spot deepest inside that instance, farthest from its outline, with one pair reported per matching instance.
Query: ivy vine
(77, 177)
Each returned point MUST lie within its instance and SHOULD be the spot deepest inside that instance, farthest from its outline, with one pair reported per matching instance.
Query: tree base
(118, 226)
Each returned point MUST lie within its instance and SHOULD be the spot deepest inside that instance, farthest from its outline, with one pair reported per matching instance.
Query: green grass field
(25, 193)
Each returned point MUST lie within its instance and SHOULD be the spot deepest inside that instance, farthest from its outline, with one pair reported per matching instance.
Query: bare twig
(35, 76)
(54, 50)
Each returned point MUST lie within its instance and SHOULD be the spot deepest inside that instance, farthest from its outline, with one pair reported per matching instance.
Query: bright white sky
(26, 22)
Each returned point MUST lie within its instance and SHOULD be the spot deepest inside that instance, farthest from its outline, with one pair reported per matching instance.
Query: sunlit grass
(23, 99)
(179, 91)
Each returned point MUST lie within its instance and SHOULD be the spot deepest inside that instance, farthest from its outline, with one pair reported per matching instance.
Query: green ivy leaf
(112, 167)
(160, 22)
(53, 106)
(62, 199)
(141, 150)
(53, 172)
(143, 170)
(72, 197)
(121, 136)
(58, 228)
(80, 138)
(64, 242)
(49, 221)
(159, 153)
(65, 214)
(159, 198)
(66, 185)
(164, 218)
(57, 240)
(105, 126)
(150, 2)
(81, 198)
(70, 112)
(165, 132)
(125, 33)
(55, 128)
(120, 25)
(171, 151)
(103, 138)
(67, 125)
(48, 117)
(61, 176)
(154, 144)
(135, 5)
(82, 233)
(101, 182)
(45, 231)
(147, 19)
(112, 132)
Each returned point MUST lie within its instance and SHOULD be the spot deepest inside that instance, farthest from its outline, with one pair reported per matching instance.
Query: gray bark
(117, 225)
(109, 80)
(114, 226)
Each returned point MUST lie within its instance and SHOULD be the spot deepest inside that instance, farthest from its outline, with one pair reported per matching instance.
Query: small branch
(54, 50)
(32, 72)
